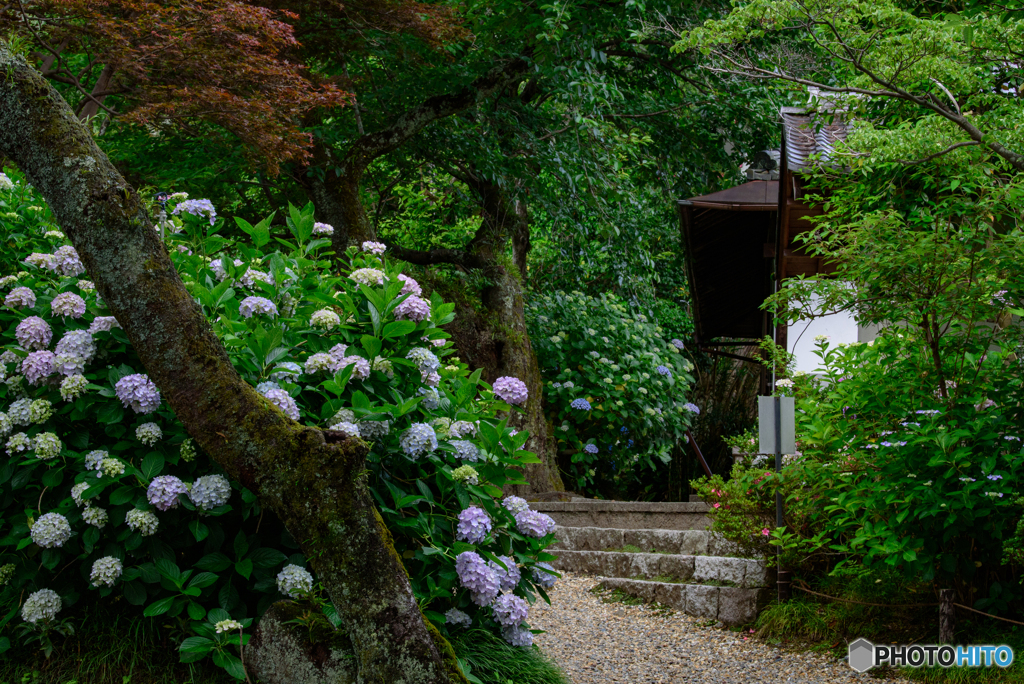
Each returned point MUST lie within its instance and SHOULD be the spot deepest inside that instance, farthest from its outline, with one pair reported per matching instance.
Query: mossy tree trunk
(312, 479)
(494, 337)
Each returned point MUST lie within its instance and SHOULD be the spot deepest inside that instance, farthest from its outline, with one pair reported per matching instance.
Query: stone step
(730, 605)
(686, 542)
(627, 515)
(737, 572)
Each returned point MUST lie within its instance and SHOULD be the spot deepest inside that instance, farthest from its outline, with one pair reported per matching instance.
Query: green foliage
(634, 380)
(486, 659)
(742, 508)
(210, 561)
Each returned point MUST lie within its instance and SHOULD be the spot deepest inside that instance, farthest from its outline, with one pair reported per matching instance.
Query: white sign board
(767, 408)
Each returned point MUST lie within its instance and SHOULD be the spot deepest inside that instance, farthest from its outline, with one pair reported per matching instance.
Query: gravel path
(604, 643)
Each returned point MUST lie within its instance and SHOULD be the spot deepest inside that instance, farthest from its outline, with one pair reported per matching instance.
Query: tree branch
(966, 143)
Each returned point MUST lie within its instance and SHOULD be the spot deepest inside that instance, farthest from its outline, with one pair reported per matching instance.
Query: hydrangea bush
(103, 495)
(615, 386)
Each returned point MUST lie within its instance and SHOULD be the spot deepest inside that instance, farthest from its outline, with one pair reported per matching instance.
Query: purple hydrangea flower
(677, 343)
(138, 392)
(692, 408)
(360, 366)
(38, 365)
(580, 404)
(103, 324)
(66, 261)
(374, 247)
(664, 370)
(34, 333)
(475, 575)
(323, 229)
(590, 448)
(413, 309)
(164, 490)
(515, 504)
(518, 635)
(409, 286)
(283, 401)
(508, 578)
(534, 524)
(199, 207)
(510, 610)
(68, 304)
(510, 390)
(474, 525)
(251, 306)
(545, 580)
(20, 296)
(74, 351)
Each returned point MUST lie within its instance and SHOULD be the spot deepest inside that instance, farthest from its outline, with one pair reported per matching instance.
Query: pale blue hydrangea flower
(510, 390)
(475, 575)
(454, 616)
(77, 491)
(374, 429)
(19, 297)
(51, 530)
(210, 491)
(677, 343)
(323, 229)
(203, 208)
(534, 524)
(68, 304)
(294, 581)
(286, 370)
(413, 308)
(424, 359)
(251, 275)
(515, 504)
(517, 636)
(149, 433)
(324, 319)
(543, 579)
(431, 400)
(692, 408)
(664, 370)
(138, 392)
(5, 424)
(377, 248)
(41, 606)
(580, 404)
(418, 440)
(47, 446)
(283, 401)
(95, 516)
(143, 522)
(33, 333)
(251, 306)
(474, 525)
(466, 450)
(94, 458)
(103, 324)
(38, 365)
(267, 385)
(164, 490)
(590, 448)
(350, 429)
(320, 363)
(510, 610)
(509, 577)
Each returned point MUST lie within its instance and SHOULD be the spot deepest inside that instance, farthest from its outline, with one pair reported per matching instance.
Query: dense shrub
(615, 387)
(102, 494)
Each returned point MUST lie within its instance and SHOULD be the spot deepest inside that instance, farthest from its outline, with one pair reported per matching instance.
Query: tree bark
(91, 106)
(312, 479)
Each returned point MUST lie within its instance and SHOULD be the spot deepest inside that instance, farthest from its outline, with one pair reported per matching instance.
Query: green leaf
(122, 495)
(199, 530)
(197, 644)
(152, 464)
(267, 558)
(398, 329)
(203, 580)
(196, 611)
(241, 545)
(214, 562)
(371, 345)
(168, 569)
(160, 607)
(244, 568)
(110, 413)
(52, 478)
(135, 593)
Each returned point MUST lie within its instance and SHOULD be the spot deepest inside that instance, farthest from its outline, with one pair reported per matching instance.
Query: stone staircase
(660, 552)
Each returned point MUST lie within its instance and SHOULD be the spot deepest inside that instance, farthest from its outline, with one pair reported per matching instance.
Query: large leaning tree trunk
(312, 479)
(495, 338)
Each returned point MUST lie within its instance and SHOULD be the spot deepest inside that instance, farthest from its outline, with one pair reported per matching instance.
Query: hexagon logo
(862, 655)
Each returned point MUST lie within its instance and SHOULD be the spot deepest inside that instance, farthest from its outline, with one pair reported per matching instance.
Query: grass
(629, 548)
(809, 623)
(493, 661)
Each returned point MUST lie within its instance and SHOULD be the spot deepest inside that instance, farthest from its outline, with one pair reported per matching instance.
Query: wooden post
(947, 616)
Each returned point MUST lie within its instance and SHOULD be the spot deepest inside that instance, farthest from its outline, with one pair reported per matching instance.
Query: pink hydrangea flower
(510, 390)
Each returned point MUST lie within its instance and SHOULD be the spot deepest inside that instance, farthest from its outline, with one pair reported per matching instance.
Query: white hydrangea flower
(95, 516)
(367, 276)
(51, 531)
(374, 429)
(149, 433)
(77, 491)
(40, 410)
(111, 467)
(187, 451)
(94, 458)
(18, 443)
(41, 606)
(105, 571)
(325, 319)
(320, 363)
(5, 424)
(294, 581)
(143, 522)
(350, 429)
(47, 446)
(73, 386)
(7, 573)
(227, 626)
